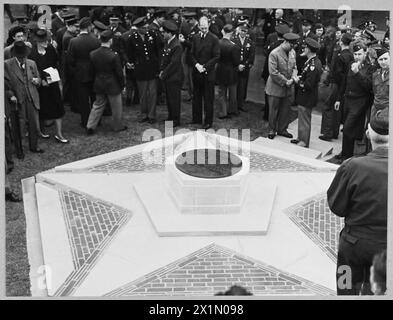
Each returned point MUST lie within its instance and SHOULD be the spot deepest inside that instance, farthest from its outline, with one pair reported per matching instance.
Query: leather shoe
(13, 197)
(38, 150)
(325, 138)
(223, 117)
(295, 141)
(271, 135)
(206, 126)
(20, 156)
(44, 136)
(194, 122)
(90, 131)
(61, 140)
(285, 134)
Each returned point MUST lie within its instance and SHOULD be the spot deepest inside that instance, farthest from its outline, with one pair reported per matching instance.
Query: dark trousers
(278, 113)
(173, 95)
(242, 88)
(331, 118)
(357, 254)
(16, 132)
(148, 97)
(84, 98)
(203, 93)
(227, 100)
(355, 116)
(266, 110)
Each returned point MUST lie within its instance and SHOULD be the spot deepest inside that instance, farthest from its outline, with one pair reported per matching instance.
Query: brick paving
(213, 269)
(315, 219)
(91, 225)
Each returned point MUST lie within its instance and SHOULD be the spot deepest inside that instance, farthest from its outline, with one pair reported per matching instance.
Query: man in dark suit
(172, 71)
(61, 31)
(331, 114)
(22, 76)
(108, 84)
(143, 52)
(227, 74)
(247, 57)
(205, 53)
(307, 95)
(80, 64)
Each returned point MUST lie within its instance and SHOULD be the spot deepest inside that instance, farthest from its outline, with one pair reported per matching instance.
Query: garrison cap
(381, 51)
(312, 44)
(159, 13)
(71, 21)
(170, 26)
(291, 37)
(100, 26)
(307, 22)
(139, 22)
(282, 29)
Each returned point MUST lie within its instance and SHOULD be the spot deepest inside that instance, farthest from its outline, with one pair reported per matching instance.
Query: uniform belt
(365, 233)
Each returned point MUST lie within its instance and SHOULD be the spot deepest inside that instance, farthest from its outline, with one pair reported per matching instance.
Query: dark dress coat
(172, 68)
(226, 73)
(51, 102)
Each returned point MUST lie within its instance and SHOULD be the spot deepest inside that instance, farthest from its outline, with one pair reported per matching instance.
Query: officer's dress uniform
(281, 69)
(300, 60)
(358, 193)
(172, 75)
(358, 100)
(331, 118)
(80, 64)
(132, 95)
(188, 67)
(247, 57)
(227, 77)
(144, 53)
(205, 51)
(307, 97)
(108, 84)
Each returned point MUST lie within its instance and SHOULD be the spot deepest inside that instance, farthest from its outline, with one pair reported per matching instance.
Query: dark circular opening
(208, 163)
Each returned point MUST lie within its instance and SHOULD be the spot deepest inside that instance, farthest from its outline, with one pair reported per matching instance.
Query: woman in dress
(51, 102)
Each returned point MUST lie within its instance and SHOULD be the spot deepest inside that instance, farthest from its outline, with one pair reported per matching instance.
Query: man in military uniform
(117, 30)
(247, 57)
(359, 193)
(81, 70)
(172, 71)
(143, 51)
(187, 32)
(281, 29)
(358, 99)
(227, 74)
(306, 33)
(307, 95)
(98, 28)
(331, 114)
(108, 84)
(282, 69)
(269, 22)
(205, 53)
(61, 31)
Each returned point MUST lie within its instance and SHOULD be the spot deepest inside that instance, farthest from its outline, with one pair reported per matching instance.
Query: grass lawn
(80, 147)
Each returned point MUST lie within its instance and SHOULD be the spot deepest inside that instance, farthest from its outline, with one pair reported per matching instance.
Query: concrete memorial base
(107, 226)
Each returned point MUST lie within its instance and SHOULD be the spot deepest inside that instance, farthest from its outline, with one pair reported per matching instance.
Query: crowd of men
(103, 59)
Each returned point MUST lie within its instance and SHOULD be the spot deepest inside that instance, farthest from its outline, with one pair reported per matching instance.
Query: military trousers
(227, 102)
(354, 259)
(355, 109)
(331, 118)
(304, 124)
(242, 85)
(148, 98)
(279, 111)
(84, 97)
(99, 105)
(173, 95)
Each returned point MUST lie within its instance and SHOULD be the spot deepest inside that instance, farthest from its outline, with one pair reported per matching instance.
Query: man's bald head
(279, 13)
(204, 24)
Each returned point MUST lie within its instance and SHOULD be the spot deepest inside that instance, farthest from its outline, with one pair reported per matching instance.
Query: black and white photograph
(195, 152)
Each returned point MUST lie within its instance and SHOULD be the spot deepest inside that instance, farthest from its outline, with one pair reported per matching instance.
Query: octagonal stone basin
(207, 181)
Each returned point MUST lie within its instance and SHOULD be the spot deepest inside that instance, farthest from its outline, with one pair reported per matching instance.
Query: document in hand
(53, 75)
